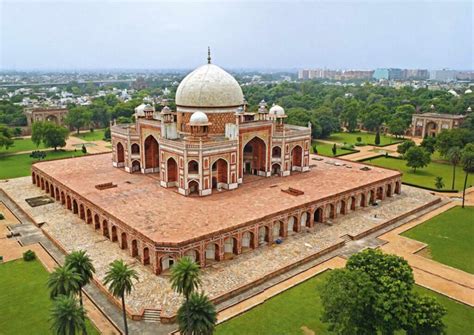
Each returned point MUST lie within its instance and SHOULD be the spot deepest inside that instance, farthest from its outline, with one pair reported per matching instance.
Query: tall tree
(348, 298)
(417, 157)
(350, 115)
(81, 264)
(467, 162)
(429, 144)
(426, 316)
(197, 316)
(454, 156)
(396, 127)
(67, 316)
(5, 137)
(119, 278)
(185, 277)
(63, 281)
(37, 132)
(54, 136)
(76, 117)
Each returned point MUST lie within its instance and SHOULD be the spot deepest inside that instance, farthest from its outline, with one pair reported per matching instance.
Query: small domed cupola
(277, 114)
(199, 124)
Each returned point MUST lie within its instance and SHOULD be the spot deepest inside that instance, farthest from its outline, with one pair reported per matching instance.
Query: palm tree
(439, 183)
(120, 277)
(197, 316)
(467, 162)
(63, 280)
(454, 156)
(185, 277)
(82, 265)
(67, 316)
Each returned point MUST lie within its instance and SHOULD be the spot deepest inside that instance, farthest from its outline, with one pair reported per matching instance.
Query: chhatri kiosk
(211, 141)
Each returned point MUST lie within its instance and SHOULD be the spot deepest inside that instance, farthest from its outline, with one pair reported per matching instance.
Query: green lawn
(21, 144)
(425, 176)
(13, 166)
(96, 135)
(325, 149)
(367, 138)
(450, 237)
(25, 304)
(300, 306)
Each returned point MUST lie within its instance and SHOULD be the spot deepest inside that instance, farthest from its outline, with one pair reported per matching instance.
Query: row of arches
(205, 253)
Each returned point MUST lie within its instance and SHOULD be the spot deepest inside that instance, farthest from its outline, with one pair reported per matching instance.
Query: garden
(449, 236)
(424, 177)
(366, 138)
(325, 149)
(95, 135)
(25, 304)
(298, 310)
(21, 144)
(13, 166)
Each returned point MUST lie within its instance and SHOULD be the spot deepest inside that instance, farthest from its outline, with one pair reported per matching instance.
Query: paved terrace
(165, 216)
(153, 291)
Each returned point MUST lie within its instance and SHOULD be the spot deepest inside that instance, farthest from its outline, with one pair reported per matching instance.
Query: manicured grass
(96, 135)
(25, 304)
(367, 138)
(300, 307)
(459, 319)
(450, 237)
(325, 149)
(21, 144)
(13, 166)
(425, 176)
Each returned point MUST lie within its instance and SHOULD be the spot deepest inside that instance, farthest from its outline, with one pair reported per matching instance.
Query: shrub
(84, 149)
(359, 139)
(29, 255)
(2, 217)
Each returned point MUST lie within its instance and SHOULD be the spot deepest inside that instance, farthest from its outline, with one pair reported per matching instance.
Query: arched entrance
(304, 221)
(192, 255)
(135, 149)
(362, 200)
(353, 203)
(114, 233)
(296, 158)
(75, 208)
(105, 229)
(172, 171)
(96, 222)
(120, 153)
(82, 213)
(193, 167)
(332, 211)
(58, 196)
(152, 158)
(380, 193)
(278, 230)
(124, 244)
(292, 226)
(134, 250)
(135, 166)
(63, 199)
(166, 263)
(276, 152)
(276, 169)
(68, 203)
(431, 129)
(389, 190)
(318, 215)
(247, 241)
(230, 247)
(263, 235)
(193, 187)
(146, 256)
(254, 157)
(212, 252)
(52, 118)
(219, 173)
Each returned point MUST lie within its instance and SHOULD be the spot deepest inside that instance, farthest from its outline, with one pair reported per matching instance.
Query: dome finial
(208, 55)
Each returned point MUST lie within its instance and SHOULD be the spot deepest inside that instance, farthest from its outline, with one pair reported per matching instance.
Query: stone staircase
(151, 315)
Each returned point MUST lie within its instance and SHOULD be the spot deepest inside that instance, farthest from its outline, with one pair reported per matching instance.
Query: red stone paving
(165, 216)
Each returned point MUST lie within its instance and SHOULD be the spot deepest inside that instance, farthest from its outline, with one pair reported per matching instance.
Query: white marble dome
(198, 118)
(277, 110)
(468, 91)
(140, 110)
(209, 86)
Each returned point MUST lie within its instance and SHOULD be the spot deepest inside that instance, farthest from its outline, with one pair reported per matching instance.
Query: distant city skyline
(245, 35)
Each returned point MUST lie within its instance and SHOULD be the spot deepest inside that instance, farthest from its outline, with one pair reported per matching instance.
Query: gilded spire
(208, 55)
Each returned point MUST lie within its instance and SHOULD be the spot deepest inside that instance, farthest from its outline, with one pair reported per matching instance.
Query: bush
(359, 139)
(2, 217)
(29, 255)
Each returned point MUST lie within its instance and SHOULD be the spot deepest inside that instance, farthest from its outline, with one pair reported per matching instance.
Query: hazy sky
(265, 34)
